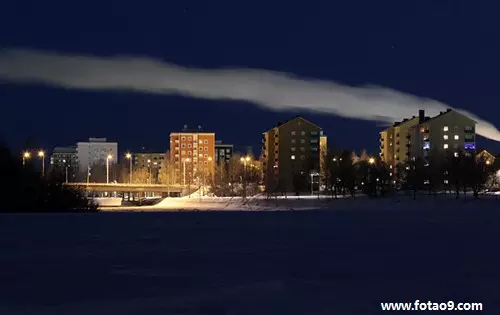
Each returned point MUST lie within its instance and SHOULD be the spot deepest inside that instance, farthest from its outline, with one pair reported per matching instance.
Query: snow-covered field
(253, 262)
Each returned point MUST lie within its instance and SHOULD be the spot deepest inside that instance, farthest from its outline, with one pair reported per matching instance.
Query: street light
(66, 170)
(186, 160)
(129, 157)
(41, 154)
(371, 161)
(26, 156)
(108, 158)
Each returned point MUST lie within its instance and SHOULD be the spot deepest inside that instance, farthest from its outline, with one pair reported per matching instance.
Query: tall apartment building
(291, 148)
(95, 152)
(223, 152)
(448, 132)
(193, 154)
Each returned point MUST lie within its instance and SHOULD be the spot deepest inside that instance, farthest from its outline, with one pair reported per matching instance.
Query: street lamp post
(244, 160)
(129, 157)
(187, 160)
(26, 157)
(108, 158)
(65, 171)
(41, 154)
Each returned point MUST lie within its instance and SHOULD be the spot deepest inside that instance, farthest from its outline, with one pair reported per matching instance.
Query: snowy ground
(252, 262)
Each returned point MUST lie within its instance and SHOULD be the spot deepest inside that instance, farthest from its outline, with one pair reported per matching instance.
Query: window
(206, 141)
(206, 163)
(228, 150)
(201, 141)
(456, 146)
(293, 149)
(390, 144)
(176, 148)
(445, 181)
(302, 157)
(314, 140)
(445, 146)
(200, 155)
(206, 156)
(427, 145)
(206, 149)
(302, 149)
(293, 141)
(445, 137)
(293, 133)
(189, 145)
(455, 154)
(183, 145)
(302, 133)
(469, 128)
(189, 138)
(456, 137)
(183, 152)
(189, 152)
(176, 141)
(293, 157)
(302, 141)
(314, 149)
(314, 133)
(445, 128)
(469, 146)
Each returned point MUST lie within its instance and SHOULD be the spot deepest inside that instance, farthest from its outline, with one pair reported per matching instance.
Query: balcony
(408, 137)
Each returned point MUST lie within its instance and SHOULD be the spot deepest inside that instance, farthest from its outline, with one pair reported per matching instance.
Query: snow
(253, 262)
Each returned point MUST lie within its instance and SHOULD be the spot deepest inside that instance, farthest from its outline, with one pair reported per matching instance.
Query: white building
(95, 152)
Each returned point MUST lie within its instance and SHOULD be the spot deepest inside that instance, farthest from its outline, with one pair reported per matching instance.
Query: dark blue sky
(446, 50)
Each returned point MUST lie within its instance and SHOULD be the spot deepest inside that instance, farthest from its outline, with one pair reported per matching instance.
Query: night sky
(445, 50)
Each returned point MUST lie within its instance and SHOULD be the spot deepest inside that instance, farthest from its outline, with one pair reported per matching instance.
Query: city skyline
(384, 47)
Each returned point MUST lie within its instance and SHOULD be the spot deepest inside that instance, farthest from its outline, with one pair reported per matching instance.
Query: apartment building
(193, 153)
(394, 141)
(148, 159)
(290, 148)
(422, 136)
(448, 132)
(96, 152)
(65, 159)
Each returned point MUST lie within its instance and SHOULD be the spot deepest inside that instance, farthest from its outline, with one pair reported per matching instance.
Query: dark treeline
(345, 173)
(24, 189)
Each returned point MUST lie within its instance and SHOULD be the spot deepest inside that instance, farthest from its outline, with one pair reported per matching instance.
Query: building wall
(143, 160)
(95, 152)
(447, 132)
(291, 148)
(65, 157)
(194, 150)
(223, 152)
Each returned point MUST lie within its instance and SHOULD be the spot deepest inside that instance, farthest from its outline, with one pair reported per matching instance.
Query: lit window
(390, 166)
(445, 128)
(456, 137)
(302, 133)
(293, 133)
(176, 148)
(390, 174)
(446, 181)
(201, 141)
(445, 146)
(445, 137)
(293, 157)
(390, 144)
(455, 154)
(183, 153)
(200, 155)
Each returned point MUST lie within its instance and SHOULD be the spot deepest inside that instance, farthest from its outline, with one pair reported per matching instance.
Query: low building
(223, 152)
(65, 157)
(485, 156)
(144, 160)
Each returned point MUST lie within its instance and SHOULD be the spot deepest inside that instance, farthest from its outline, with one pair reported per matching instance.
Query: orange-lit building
(193, 154)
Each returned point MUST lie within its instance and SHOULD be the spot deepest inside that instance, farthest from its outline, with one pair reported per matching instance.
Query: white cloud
(272, 90)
